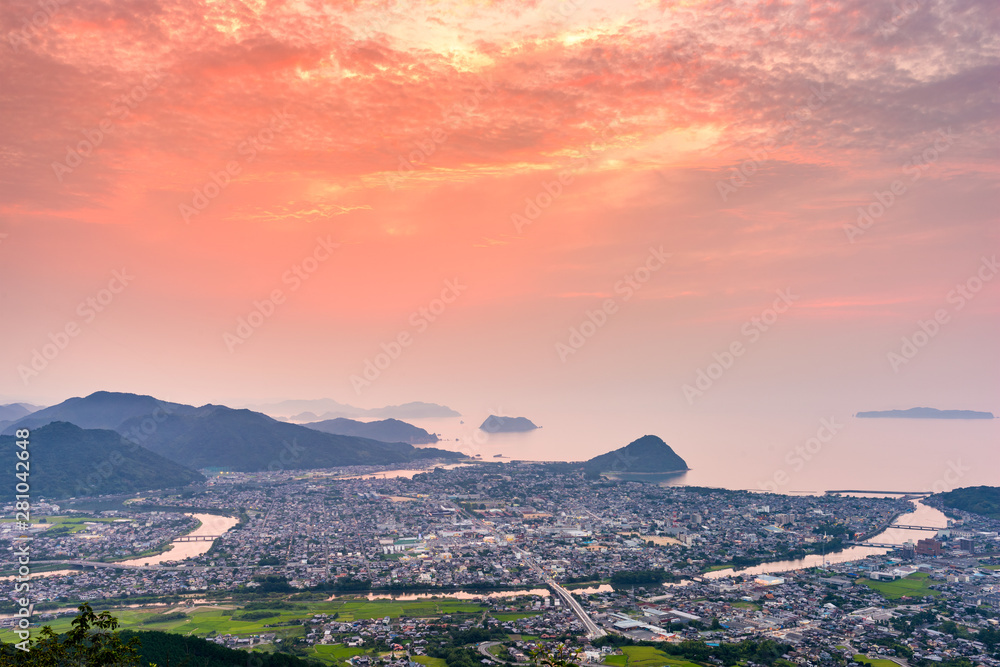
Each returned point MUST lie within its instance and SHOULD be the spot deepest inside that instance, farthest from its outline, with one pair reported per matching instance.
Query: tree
(93, 641)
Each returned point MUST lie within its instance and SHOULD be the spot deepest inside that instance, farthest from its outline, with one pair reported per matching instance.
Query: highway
(593, 631)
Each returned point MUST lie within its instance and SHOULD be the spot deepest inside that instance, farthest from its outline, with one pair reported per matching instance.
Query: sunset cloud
(537, 149)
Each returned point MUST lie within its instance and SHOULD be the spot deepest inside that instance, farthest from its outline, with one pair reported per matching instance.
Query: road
(485, 647)
(593, 631)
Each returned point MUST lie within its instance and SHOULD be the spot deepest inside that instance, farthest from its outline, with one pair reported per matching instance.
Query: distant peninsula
(312, 410)
(386, 430)
(924, 413)
(648, 454)
(495, 424)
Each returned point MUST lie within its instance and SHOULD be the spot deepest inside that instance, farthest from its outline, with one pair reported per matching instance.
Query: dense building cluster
(640, 557)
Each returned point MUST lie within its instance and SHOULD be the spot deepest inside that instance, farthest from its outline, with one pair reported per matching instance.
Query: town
(518, 558)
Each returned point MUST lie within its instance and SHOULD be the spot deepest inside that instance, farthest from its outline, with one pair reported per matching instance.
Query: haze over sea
(758, 451)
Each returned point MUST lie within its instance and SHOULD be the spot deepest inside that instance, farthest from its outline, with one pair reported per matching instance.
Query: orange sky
(532, 152)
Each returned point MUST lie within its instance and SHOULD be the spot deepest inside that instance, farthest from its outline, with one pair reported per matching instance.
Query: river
(463, 595)
(211, 524)
(922, 515)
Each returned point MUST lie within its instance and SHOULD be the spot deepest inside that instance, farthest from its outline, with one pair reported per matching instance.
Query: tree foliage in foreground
(93, 641)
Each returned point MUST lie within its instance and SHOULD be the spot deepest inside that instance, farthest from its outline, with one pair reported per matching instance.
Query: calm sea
(786, 453)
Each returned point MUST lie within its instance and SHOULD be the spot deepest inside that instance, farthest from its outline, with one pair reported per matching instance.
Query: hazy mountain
(316, 406)
(495, 424)
(647, 454)
(243, 440)
(218, 436)
(303, 417)
(67, 460)
(413, 410)
(386, 430)
(924, 413)
(14, 411)
(326, 408)
(102, 409)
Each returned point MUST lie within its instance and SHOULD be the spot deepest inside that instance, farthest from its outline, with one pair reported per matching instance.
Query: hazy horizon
(644, 213)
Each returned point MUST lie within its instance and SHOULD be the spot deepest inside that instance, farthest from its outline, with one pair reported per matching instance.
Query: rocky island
(648, 454)
(495, 424)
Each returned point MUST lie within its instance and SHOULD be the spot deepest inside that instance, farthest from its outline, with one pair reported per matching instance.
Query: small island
(648, 454)
(924, 413)
(496, 424)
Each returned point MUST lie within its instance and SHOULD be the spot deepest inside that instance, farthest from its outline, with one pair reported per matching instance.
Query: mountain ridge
(67, 460)
(384, 430)
(217, 436)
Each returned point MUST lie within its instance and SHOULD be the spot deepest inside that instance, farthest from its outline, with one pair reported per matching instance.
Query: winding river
(211, 524)
(923, 515)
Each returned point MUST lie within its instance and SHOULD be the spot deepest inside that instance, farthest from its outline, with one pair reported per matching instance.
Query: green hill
(165, 648)
(983, 500)
(66, 460)
(647, 454)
